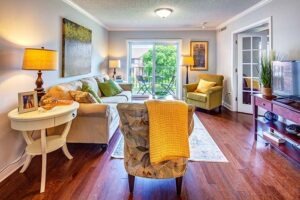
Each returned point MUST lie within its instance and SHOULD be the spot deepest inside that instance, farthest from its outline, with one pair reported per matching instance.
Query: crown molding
(84, 12)
(245, 12)
(236, 17)
(162, 29)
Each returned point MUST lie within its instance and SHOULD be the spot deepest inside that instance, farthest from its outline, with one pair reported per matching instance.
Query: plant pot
(266, 91)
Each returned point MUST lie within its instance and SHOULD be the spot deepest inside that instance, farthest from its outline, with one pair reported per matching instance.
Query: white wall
(35, 23)
(286, 40)
(118, 46)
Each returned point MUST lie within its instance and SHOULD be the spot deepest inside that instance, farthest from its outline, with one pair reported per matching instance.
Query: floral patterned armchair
(135, 128)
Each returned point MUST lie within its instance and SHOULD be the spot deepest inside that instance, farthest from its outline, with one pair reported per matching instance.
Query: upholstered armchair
(211, 99)
(135, 128)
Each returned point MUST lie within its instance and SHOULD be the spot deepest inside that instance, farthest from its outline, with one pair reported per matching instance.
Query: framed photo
(28, 101)
(199, 51)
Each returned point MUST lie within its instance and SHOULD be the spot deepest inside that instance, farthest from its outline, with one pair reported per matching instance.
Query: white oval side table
(41, 120)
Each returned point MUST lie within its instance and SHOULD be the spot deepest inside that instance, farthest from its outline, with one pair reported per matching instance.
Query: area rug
(202, 146)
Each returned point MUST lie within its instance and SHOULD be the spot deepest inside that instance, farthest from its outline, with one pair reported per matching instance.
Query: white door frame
(179, 52)
(234, 58)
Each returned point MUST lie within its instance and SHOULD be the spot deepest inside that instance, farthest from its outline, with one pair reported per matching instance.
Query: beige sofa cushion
(74, 85)
(114, 99)
(123, 97)
(100, 78)
(127, 94)
(197, 96)
(93, 84)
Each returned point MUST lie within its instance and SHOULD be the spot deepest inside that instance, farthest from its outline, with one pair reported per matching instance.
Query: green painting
(77, 49)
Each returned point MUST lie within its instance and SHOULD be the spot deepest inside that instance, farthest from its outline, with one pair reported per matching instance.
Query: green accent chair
(208, 101)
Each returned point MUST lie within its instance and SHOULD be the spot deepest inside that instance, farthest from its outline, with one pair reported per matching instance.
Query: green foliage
(266, 69)
(73, 31)
(165, 61)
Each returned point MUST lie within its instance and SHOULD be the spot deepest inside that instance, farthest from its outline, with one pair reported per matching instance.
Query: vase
(266, 91)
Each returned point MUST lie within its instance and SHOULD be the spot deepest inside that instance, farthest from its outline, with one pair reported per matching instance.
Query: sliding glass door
(153, 68)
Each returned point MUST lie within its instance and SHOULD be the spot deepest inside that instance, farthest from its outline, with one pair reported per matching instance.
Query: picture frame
(27, 101)
(199, 51)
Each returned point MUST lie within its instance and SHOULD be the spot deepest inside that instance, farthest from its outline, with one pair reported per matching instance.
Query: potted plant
(266, 73)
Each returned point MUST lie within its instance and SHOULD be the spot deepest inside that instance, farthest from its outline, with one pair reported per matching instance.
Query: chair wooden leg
(131, 182)
(178, 185)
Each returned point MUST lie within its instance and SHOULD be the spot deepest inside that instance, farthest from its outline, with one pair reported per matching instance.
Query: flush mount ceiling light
(163, 12)
(204, 25)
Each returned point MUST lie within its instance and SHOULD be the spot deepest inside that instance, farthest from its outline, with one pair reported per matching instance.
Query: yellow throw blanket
(168, 137)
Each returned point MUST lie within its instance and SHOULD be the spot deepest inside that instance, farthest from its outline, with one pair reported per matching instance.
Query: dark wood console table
(286, 111)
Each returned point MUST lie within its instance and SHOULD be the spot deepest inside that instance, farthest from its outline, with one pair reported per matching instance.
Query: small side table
(41, 120)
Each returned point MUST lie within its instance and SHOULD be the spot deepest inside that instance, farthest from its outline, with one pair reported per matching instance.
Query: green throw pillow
(110, 88)
(87, 88)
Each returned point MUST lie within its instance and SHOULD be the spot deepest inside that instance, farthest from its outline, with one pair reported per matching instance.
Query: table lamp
(187, 61)
(114, 64)
(40, 59)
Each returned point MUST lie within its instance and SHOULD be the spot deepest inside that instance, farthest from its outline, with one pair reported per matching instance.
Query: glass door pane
(250, 46)
(157, 78)
(141, 64)
(250, 52)
(164, 78)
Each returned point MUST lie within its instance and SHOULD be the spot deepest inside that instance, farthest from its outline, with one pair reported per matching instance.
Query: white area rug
(202, 146)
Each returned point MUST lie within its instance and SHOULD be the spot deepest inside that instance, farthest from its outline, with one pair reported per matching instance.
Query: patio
(165, 83)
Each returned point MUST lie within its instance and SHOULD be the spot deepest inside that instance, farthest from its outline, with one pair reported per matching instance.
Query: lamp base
(187, 75)
(114, 76)
(40, 93)
(39, 86)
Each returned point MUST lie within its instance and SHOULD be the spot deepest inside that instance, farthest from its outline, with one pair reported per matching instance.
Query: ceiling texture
(187, 14)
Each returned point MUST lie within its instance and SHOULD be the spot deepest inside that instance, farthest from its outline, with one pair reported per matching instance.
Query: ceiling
(139, 14)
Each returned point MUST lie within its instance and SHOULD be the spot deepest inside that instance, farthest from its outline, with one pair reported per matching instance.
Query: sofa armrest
(190, 87)
(126, 86)
(215, 89)
(93, 110)
(214, 97)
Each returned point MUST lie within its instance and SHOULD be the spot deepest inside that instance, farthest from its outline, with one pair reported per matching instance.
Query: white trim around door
(234, 63)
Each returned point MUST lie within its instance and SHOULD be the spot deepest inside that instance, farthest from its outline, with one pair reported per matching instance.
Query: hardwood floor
(254, 171)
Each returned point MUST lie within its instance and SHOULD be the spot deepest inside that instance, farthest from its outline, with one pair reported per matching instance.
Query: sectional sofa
(95, 122)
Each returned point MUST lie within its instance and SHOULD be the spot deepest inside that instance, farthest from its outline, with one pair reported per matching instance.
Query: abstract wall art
(77, 49)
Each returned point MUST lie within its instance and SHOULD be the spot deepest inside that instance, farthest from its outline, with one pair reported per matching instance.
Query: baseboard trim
(12, 168)
(228, 106)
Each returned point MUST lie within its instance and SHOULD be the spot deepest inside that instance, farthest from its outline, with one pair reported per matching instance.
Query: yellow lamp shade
(187, 60)
(114, 64)
(40, 59)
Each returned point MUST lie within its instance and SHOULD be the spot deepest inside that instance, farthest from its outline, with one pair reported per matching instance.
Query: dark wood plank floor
(254, 171)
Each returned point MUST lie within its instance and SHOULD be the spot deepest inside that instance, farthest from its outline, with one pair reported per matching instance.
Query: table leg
(66, 152)
(64, 135)
(44, 159)
(28, 140)
(26, 164)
